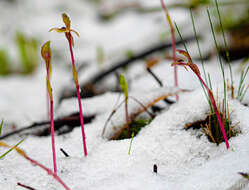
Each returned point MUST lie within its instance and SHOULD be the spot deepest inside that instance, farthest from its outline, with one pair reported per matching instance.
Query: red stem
(52, 135)
(68, 36)
(211, 97)
(57, 178)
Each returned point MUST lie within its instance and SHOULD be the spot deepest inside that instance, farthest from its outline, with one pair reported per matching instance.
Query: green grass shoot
(12, 148)
(242, 89)
(1, 127)
(226, 47)
(186, 49)
(220, 62)
(132, 136)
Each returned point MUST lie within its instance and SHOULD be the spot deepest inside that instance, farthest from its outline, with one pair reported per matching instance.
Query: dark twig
(71, 121)
(25, 186)
(64, 152)
(160, 84)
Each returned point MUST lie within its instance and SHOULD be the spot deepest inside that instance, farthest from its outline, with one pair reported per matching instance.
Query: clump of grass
(67, 31)
(46, 55)
(196, 71)
(211, 127)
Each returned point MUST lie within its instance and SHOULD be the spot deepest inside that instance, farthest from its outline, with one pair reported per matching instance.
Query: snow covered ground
(184, 161)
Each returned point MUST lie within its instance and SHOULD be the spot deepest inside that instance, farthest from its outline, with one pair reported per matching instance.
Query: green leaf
(12, 148)
(1, 126)
(123, 85)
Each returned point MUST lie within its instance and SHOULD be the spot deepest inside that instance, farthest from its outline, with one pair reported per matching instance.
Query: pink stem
(79, 99)
(52, 135)
(215, 109)
(50, 172)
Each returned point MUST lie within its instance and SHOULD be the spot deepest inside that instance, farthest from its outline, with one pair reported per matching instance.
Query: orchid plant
(196, 70)
(67, 31)
(46, 55)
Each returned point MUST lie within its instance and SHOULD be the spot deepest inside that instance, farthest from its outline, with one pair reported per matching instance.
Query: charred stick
(72, 121)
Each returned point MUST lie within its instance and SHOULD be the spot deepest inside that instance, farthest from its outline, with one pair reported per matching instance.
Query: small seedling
(124, 88)
(46, 55)
(67, 31)
(196, 71)
(132, 136)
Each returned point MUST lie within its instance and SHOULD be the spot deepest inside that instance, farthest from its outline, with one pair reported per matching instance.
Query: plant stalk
(68, 36)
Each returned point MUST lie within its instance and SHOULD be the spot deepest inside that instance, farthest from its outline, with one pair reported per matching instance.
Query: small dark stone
(155, 168)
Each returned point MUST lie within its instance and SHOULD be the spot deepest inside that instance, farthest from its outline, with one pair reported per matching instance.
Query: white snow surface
(185, 160)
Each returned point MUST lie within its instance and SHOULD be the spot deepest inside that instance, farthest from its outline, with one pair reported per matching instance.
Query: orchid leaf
(123, 85)
(59, 30)
(77, 34)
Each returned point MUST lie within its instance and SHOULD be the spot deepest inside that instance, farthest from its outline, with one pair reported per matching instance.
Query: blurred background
(110, 31)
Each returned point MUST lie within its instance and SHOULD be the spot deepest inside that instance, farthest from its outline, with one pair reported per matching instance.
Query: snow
(184, 160)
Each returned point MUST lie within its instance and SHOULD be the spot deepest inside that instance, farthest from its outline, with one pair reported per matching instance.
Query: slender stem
(132, 136)
(172, 31)
(52, 135)
(57, 178)
(78, 93)
(127, 115)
